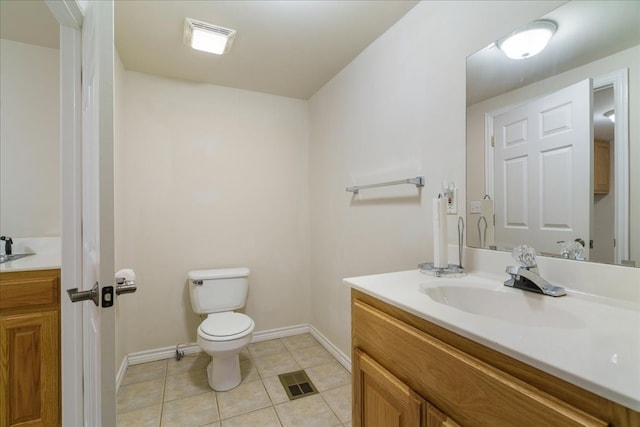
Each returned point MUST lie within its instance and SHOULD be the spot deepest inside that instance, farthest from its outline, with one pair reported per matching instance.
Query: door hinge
(493, 141)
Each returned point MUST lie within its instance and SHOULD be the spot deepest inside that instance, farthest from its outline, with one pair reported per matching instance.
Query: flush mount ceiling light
(207, 37)
(528, 41)
(611, 115)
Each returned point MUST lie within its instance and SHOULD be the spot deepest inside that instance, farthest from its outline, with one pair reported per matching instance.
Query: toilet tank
(216, 290)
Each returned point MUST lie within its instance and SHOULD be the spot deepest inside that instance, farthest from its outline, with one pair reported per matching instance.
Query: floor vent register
(297, 384)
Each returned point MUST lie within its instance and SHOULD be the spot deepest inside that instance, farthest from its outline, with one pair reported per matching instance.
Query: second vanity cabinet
(410, 372)
(30, 348)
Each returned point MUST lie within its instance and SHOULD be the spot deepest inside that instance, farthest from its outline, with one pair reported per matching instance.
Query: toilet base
(223, 373)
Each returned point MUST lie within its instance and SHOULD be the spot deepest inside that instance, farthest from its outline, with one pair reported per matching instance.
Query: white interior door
(543, 189)
(97, 212)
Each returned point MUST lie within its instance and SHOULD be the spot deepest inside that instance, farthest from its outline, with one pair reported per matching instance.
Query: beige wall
(209, 177)
(29, 140)
(122, 329)
(397, 110)
(629, 58)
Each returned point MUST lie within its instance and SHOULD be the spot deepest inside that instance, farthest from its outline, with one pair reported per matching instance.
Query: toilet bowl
(223, 336)
(224, 333)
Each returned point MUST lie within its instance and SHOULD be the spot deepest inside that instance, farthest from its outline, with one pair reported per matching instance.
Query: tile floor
(172, 393)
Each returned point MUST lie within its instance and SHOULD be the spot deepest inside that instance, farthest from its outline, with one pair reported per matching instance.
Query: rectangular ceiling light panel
(207, 37)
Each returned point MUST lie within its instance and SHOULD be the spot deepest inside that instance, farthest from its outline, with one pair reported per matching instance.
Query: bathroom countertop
(32, 262)
(598, 351)
(46, 256)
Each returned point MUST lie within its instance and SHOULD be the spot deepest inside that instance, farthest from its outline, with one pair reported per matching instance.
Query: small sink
(523, 308)
(12, 257)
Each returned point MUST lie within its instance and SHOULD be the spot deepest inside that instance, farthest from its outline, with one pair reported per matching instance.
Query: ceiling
(28, 21)
(288, 48)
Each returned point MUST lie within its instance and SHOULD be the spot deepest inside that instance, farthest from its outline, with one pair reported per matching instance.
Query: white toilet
(224, 333)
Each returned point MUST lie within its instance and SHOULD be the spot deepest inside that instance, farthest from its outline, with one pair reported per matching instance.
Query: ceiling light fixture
(611, 115)
(207, 37)
(528, 41)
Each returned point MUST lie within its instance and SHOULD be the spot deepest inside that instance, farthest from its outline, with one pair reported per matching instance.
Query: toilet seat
(225, 326)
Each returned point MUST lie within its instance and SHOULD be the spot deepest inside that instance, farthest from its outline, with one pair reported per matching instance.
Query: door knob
(125, 281)
(75, 295)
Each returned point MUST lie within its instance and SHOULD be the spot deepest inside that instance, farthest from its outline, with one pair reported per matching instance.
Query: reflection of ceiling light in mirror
(528, 41)
(611, 115)
(207, 37)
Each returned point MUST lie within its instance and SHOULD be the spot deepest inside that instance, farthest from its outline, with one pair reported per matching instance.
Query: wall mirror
(546, 165)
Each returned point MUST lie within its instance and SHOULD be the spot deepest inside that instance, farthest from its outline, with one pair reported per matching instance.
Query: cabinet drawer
(466, 388)
(26, 290)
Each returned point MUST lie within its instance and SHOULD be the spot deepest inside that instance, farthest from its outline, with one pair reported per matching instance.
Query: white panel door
(97, 211)
(542, 170)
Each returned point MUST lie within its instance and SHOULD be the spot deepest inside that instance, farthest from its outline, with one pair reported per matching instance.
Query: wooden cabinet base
(29, 355)
(461, 381)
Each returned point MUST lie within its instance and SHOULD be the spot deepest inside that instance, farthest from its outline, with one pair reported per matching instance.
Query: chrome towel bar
(417, 181)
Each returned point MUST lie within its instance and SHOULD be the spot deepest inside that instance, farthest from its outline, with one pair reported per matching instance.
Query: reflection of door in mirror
(541, 174)
(603, 209)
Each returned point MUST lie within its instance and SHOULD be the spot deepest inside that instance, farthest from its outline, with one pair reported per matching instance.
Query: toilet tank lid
(219, 273)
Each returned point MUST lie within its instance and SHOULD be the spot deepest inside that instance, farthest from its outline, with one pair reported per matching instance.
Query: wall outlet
(476, 207)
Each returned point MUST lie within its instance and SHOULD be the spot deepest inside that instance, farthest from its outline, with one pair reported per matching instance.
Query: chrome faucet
(8, 241)
(527, 277)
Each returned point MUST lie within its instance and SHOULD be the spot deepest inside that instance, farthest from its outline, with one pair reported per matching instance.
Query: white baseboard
(120, 374)
(161, 353)
(288, 331)
(342, 358)
(193, 348)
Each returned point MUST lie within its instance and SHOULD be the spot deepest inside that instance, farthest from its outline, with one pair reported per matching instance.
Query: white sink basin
(513, 306)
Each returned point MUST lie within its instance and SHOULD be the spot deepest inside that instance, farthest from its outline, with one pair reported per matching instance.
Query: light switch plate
(476, 207)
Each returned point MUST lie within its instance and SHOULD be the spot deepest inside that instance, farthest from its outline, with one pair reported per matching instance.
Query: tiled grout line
(164, 390)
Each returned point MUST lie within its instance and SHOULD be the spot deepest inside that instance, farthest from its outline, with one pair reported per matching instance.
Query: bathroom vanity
(30, 347)
(421, 358)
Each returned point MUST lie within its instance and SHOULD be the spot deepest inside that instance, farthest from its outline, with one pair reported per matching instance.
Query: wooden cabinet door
(380, 399)
(436, 418)
(601, 167)
(29, 382)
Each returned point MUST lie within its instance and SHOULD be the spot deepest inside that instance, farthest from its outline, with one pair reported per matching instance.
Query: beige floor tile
(326, 377)
(248, 371)
(266, 348)
(196, 362)
(339, 400)
(145, 372)
(191, 411)
(244, 354)
(185, 385)
(309, 411)
(139, 395)
(143, 417)
(275, 390)
(312, 356)
(263, 418)
(296, 342)
(276, 364)
(247, 397)
(348, 424)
